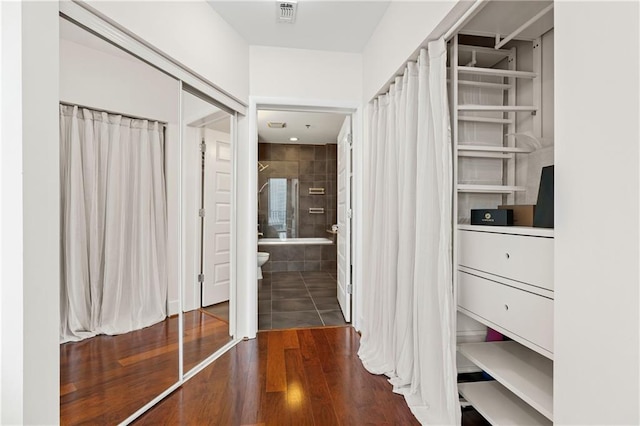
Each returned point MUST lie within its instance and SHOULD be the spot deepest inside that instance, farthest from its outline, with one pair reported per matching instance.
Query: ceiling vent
(287, 11)
(276, 125)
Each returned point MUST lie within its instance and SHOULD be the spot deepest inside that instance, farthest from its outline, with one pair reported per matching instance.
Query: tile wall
(315, 166)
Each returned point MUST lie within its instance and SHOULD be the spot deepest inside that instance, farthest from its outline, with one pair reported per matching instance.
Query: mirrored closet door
(120, 229)
(207, 199)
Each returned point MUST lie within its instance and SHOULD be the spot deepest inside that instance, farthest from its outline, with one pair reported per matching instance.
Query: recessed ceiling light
(293, 139)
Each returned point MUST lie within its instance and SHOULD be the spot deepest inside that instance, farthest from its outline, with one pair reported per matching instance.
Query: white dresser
(505, 281)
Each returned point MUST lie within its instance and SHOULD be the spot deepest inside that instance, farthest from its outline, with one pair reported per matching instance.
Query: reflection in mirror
(119, 145)
(206, 191)
(278, 213)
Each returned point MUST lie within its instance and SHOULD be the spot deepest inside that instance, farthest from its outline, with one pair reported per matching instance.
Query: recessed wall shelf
(316, 191)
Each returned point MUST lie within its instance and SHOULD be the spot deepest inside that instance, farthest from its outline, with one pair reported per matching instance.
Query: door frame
(249, 243)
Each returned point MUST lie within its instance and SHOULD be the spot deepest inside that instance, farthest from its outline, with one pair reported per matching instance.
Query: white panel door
(344, 219)
(217, 221)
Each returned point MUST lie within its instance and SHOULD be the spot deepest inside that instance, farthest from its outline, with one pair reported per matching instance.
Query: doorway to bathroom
(303, 198)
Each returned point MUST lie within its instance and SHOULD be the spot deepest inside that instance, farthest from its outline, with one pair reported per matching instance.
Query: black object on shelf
(492, 217)
(543, 217)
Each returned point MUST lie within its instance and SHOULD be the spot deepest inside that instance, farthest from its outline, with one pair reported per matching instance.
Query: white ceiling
(324, 127)
(342, 26)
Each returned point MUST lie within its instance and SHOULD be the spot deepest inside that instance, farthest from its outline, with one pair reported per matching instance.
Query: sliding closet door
(207, 202)
(119, 187)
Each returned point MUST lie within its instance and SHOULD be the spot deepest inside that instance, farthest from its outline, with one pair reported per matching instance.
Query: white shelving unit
(492, 100)
(501, 112)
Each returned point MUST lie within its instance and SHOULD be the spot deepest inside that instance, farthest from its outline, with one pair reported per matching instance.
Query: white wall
(106, 80)
(100, 79)
(192, 33)
(30, 214)
(597, 327)
(403, 28)
(305, 74)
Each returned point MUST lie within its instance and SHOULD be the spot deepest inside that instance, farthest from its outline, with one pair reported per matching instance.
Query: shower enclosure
(278, 206)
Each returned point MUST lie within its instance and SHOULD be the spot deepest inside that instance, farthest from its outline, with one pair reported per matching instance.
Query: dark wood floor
(105, 379)
(286, 377)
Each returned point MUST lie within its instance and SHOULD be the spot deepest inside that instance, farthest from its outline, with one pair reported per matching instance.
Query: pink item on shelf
(493, 336)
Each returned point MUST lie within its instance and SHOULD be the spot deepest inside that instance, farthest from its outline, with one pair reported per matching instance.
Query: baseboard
(173, 307)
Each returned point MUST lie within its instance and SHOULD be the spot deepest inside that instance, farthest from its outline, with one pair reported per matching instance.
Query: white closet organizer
(504, 274)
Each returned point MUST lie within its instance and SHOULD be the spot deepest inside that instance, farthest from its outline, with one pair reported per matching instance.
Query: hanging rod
(112, 112)
(522, 27)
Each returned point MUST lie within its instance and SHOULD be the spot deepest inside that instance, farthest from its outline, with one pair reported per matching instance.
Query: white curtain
(408, 330)
(113, 224)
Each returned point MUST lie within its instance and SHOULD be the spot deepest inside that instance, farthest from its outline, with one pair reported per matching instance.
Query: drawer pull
(507, 255)
(506, 307)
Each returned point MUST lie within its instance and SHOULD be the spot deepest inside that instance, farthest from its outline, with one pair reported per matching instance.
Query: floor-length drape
(408, 323)
(113, 224)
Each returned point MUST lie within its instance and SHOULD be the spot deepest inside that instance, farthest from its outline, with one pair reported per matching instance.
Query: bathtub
(299, 254)
(293, 241)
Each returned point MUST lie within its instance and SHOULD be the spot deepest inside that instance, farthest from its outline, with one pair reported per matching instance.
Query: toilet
(262, 259)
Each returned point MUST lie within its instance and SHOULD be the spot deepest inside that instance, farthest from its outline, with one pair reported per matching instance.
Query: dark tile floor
(298, 299)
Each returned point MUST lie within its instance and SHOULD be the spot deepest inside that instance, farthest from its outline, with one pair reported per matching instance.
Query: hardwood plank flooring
(105, 379)
(286, 377)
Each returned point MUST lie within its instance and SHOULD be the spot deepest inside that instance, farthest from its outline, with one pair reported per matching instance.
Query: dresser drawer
(517, 257)
(524, 314)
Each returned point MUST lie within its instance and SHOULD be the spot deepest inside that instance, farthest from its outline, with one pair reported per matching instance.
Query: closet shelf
(481, 154)
(496, 72)
(497, 108)
(487, 148)
(512, 230)
(485, 119)
(524, 372)
(485, 51)
(489, 189)
(484, 85)
(499, 405)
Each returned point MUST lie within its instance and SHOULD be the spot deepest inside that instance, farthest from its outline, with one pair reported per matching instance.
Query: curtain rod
(113, 112)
